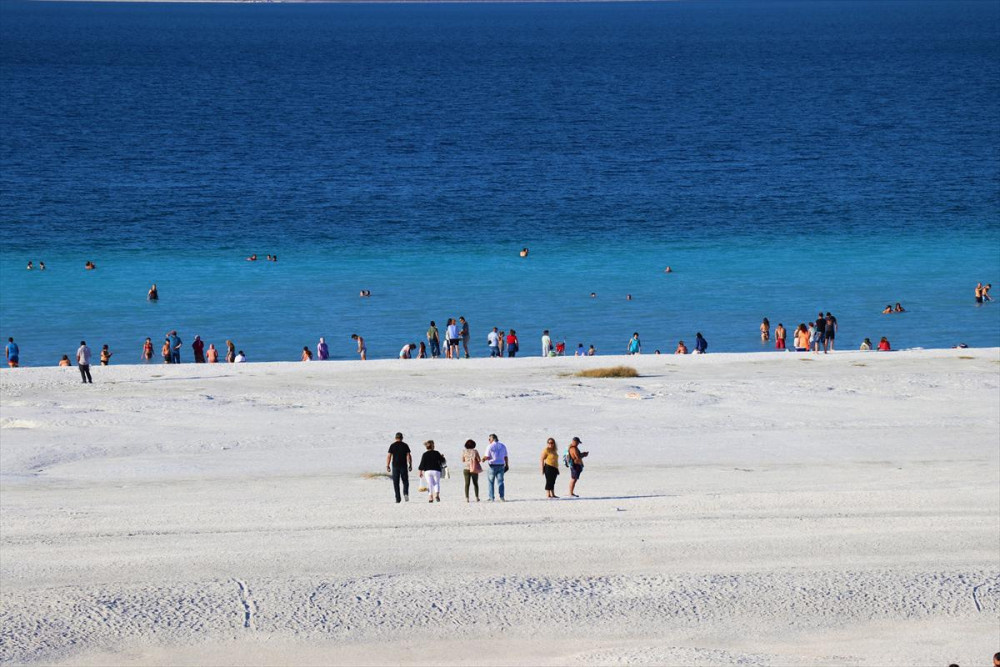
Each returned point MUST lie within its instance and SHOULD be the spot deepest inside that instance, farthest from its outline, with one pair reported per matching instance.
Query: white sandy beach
(756, 509)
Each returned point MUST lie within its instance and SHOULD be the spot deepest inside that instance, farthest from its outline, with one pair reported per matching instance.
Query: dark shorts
(575, 471)
(454, 341)
(830, 335)
(979, 299)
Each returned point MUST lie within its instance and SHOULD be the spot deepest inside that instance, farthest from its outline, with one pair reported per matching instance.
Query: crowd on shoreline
(819, 335)
(495, 462)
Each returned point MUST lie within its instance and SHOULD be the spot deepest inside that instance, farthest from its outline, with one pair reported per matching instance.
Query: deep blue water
(782, 157)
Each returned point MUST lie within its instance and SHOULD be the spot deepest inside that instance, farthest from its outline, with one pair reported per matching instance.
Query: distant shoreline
(365, 2)
(558, 362)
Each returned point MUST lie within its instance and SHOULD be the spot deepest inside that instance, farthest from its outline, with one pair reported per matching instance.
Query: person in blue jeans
(175, 348)
(499, 462)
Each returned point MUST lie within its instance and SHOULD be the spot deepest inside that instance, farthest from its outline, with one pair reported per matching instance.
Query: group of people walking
(495, 462)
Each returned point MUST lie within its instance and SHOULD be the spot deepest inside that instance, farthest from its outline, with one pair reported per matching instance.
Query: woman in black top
(431, 465)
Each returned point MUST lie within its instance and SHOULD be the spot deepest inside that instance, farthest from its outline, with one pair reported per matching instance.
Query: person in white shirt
(240, 358)
(496, 457)
(546, 343)
(83, 361)
(493, 340)
(454, 338)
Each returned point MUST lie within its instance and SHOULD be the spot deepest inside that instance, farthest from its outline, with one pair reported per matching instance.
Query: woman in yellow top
(550, 467)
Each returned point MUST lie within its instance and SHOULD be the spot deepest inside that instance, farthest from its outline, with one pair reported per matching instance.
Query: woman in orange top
(802, 339)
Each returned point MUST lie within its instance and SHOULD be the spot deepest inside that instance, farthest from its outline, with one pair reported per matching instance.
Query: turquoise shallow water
(722, 289)
(782, 157)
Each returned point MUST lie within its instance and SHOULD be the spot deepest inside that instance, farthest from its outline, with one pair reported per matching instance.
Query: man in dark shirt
(398, 462)
(820, 332)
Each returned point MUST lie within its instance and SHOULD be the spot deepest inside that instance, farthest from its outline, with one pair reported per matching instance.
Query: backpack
(567, 459)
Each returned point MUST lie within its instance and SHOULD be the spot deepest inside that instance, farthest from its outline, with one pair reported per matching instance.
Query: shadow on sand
(546, 500)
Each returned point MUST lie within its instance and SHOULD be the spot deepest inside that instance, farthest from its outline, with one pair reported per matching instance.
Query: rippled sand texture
(752, 509)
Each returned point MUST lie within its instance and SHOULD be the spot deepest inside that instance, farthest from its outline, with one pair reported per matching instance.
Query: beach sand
(759, 509)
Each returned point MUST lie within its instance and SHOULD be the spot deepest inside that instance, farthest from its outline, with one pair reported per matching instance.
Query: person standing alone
(493, 342)
(83, 361)
(550, 467)
(464, 331)
(198, 346)
(496, 457)
(434, 340)
(13, 353)
(175, 348)
(398, 463)
(820, 334)
(575, 464)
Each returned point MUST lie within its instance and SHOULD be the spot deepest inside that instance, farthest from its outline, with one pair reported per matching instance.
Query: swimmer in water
(41, 266)
(668, 270)
(252, 258)
(90, 266)
(524, 252)
(986, 291)
(628, 297)
(979, 292)
(268, 258)
(30, 265)
(147, 350)
(887, 310)
(152, 294)
(593, 295)
(898, 308)
(765, 331)
(362, 350)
